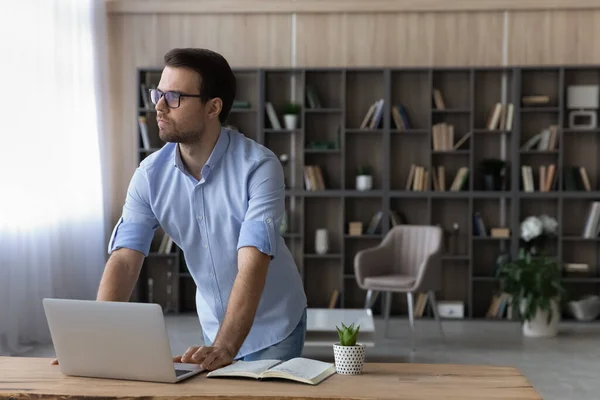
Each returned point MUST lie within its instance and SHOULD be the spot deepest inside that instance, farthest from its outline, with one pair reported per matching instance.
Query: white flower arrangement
(535, 229)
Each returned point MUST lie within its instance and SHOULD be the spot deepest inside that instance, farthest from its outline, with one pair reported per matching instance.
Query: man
(220, 197)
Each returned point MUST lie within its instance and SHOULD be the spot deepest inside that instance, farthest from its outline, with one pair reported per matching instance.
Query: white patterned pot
(349, 360)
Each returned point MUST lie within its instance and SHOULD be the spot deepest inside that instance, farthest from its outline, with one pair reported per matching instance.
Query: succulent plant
(348, 334)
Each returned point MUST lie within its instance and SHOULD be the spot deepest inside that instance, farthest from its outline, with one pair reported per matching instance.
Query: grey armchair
(407, 260)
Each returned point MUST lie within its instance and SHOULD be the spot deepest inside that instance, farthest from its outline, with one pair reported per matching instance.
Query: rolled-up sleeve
(266, 206)
(135, 229)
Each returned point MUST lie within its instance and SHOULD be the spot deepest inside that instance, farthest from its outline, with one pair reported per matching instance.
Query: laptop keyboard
(179, 372)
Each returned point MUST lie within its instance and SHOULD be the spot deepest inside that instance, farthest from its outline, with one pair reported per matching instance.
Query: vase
(364, 182)
(538, 326)
(290, 121)
(321, 241)
(349, 360)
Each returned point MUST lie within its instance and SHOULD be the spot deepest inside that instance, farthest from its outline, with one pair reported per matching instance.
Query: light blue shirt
(240, 201)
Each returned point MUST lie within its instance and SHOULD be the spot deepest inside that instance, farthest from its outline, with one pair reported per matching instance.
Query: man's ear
(215, 107)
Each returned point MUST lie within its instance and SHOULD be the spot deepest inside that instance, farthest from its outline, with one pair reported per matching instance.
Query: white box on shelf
(451, 309)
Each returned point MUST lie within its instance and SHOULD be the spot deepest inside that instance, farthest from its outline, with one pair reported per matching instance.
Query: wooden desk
(22, 378)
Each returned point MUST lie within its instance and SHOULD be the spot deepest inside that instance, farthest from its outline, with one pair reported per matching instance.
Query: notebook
(297, 369)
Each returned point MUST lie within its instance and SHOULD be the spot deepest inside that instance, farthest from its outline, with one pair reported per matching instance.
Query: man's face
(186, 123)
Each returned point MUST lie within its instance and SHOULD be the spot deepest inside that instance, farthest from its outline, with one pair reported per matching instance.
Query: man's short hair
(217, 78)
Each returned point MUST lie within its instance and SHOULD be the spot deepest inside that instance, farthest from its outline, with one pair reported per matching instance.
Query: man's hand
(54, 362)
(209, 357)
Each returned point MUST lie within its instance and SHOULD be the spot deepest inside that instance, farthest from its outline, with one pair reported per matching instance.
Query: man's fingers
(177, 359)
(201, 354)
(54, 362)
(187, 356)
(210, 359)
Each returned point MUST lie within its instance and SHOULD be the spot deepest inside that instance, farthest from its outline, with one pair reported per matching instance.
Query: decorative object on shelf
(290, 115)
(321, 241)
(586, 309)
(284, 159)
(355, 228)
(349, 356)
(364, 180)
(535, 289)
(494, 173)
(453, 239)
(536, 231)
(500, 232)
(583, 101)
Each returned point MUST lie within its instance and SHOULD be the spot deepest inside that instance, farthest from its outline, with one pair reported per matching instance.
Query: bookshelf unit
(331, 137)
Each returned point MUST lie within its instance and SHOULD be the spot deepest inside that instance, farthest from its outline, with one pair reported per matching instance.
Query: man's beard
(188, 137)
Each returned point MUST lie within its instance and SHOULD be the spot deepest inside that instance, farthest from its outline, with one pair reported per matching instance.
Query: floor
(565, 367)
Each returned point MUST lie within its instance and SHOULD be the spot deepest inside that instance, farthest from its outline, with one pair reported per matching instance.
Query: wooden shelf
(470, 94)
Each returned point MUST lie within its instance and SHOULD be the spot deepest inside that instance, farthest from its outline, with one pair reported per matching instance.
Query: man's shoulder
(247, 149)
(158, 159)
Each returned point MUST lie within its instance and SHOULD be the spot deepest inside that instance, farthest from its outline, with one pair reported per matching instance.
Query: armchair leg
(387, 309)
(411, 319)
(435, 313)
(371, 298)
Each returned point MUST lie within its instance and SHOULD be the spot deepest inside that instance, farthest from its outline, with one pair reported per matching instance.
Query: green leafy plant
(364, 170)
(533, 282)
(292, 108)
(348, 334)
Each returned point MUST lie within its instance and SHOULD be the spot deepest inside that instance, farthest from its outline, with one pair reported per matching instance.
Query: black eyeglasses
(173, 99)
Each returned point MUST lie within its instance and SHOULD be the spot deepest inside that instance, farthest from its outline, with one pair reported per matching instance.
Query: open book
(298, 369)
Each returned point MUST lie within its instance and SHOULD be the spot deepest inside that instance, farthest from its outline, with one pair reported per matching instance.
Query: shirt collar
(213, 159)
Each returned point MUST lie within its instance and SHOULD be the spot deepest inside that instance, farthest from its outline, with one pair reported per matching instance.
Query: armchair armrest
(374, 261)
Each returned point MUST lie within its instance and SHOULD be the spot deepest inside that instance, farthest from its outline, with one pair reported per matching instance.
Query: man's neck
(195, 155)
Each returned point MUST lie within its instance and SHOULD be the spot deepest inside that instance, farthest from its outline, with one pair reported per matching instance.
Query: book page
(244, 368)
(302, 368)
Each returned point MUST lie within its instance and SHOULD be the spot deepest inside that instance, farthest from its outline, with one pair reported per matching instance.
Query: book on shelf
(460, 179)
(400, 118)
(535, 100)
(299, 369)
(145, 92)
(546, 140)
(576, 267)
(547, 178)
(143, 123)
(272, 115)
(443, 136)
(374, 115)
(592, 222)
(333, 298)
(313, 178)
(438, 99)
(419, 305)
(576, 179)
(166, 244)
(479, 228)
(501, 117)
(312, 97)
(439, 178)
(418, 178)
(499, 305)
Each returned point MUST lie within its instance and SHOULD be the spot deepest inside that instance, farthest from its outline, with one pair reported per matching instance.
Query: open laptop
(117, 340)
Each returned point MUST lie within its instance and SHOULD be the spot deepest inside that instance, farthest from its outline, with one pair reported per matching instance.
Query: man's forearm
(244, 299)
(120, 274)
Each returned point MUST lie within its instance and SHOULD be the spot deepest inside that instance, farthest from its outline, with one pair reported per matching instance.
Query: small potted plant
(494, 172)
(364, 180)
(349, 356)
(290, 115)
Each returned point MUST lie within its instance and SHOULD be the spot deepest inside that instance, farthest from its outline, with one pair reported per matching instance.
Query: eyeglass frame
(179, 96)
